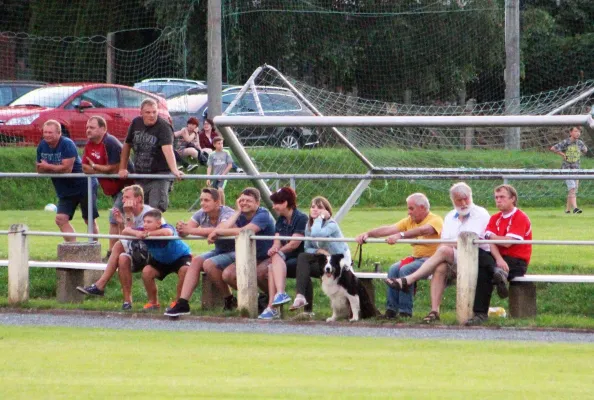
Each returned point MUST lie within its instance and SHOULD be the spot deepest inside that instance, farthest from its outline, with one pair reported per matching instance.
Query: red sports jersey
(516, 225)
(106, 152)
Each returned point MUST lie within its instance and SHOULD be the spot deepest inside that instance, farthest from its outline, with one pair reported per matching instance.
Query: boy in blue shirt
(165, 256)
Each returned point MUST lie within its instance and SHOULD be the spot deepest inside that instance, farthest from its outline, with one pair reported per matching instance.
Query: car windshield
(51, 96)
(189, 103)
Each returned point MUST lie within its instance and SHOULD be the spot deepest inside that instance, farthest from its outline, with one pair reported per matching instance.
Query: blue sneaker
(281, 298)
(269, 313)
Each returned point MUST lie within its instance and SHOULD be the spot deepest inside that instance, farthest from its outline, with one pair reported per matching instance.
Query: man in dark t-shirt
(55, 155)
(102, 156)
(151, 138)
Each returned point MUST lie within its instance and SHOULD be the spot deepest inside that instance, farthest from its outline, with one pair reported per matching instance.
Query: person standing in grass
(165, 256)
(219, 163)
(506, 261)
(283, 253)
(571, 150)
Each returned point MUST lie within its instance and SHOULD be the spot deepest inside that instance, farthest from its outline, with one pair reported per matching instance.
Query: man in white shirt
(465, 217)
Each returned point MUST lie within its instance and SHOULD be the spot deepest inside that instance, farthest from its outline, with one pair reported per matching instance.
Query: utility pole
(512, 69)
(110, 67)
(214, 75)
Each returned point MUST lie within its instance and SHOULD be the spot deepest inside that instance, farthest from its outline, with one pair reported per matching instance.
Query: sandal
(395, 284)
(431, 317)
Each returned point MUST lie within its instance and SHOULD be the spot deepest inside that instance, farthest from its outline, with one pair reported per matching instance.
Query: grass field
(85, 363)
(559, 305)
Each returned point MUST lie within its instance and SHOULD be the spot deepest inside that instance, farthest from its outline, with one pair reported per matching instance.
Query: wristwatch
(282, 255)
(402, 235)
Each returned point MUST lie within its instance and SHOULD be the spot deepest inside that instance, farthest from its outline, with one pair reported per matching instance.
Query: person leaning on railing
(311, 263)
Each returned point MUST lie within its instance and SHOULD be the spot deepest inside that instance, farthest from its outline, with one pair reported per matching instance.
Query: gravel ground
(155, 322)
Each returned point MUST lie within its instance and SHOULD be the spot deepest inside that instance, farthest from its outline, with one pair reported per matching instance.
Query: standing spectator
(283, 253)
(506, 261)
(102, 156)
(188, 144)
(165, 256)
(151, 138)
(420, 224)
(312, 261)
(248, 216)
(465, 217)
(219, 163)
(127, 256)
(58, 155)
(202, 223)
(571, 150)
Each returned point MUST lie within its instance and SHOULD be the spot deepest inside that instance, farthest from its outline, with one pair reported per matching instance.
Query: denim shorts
(221, 259)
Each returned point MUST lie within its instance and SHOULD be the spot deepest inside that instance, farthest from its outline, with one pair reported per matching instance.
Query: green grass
(96, 364)
(559, 305)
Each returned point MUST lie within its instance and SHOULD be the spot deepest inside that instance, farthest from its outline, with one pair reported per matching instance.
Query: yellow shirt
(422, 250)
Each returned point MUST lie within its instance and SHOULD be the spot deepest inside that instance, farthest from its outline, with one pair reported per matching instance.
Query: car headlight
(26, 120)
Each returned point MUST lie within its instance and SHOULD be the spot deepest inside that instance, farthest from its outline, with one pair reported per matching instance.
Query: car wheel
(289, 140)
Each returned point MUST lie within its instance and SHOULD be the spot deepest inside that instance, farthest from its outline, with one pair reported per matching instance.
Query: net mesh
(394, 150)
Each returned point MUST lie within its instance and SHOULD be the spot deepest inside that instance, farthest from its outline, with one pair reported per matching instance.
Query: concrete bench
(522, 290)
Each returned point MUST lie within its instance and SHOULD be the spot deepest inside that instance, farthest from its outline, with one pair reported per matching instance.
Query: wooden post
(467, 271)
(18, 264)
(247, 284)
(110, 58)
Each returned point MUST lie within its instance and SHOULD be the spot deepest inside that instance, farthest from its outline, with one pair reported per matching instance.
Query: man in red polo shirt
(102, 156)
(507, 261)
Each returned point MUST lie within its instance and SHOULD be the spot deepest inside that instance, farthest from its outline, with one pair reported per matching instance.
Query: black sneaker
(230, 303)
(390, 314)
(180, 308)
(577, 211)
(478, 319)
(91, 290)
(127, 306)
(500, 281)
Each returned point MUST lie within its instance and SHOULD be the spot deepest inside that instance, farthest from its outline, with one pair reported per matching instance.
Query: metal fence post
(18, 264)
(247, 284)
(467, 273)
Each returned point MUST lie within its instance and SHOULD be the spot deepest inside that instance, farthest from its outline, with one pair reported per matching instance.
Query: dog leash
(358, 250)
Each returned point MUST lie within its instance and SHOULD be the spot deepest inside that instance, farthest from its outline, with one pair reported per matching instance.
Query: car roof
(171, 80)
(21, 82)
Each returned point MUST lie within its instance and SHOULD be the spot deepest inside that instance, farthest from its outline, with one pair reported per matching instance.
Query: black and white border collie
(348, 297)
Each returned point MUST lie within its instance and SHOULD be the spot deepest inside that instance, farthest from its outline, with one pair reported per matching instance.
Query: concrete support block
(69, 279)
(212, 298)
(522, 299)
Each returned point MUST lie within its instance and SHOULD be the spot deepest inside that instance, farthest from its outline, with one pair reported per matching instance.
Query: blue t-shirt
(65, 187)
(263, 219)
(297, 225)
(167, 251)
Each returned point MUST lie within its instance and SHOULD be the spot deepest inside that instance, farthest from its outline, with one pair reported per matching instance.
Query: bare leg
(112, 265)
(191, 279)
(65, 227)
(571, 200)
(125, 275)
(216, 276)
(262, 275)
(271, 286)
(222, 196)
(279, 273)
(148, 277)
(443, 254)
(438, 284)
(230, 276)
(190, 152)
(181, 279)
(95, 226)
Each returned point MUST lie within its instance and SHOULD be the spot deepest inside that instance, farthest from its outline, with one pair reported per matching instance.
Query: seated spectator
(248, 216)
(188, 145)
(420, 224)
(207, 135)
(465, 217)
(311, 263)
(283, 253)
(127, 256)
(165, 256)
(202, 223)
(506, 261)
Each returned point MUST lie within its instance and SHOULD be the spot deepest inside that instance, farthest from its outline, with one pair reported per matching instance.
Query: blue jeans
(397, 300)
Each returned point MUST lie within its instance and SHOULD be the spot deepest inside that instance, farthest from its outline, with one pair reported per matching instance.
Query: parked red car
(72, 104)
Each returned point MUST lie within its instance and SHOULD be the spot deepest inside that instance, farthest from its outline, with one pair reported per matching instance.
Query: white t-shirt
(475, 222)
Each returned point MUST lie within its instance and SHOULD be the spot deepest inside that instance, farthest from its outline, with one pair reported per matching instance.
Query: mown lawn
(64, 363)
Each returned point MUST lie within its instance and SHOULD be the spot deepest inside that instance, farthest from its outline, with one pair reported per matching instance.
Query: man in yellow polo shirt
(420, 224)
